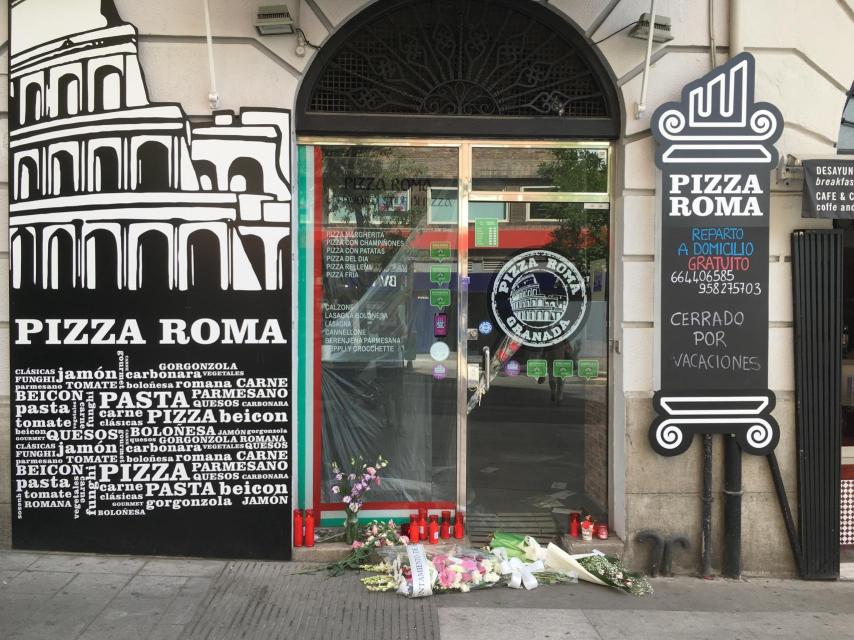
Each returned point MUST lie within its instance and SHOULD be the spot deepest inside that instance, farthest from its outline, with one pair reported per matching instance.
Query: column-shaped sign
(150, 304)
(715, 151)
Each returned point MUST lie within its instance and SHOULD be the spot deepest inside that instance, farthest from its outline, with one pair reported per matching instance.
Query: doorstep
(613, 546)
(328, 552)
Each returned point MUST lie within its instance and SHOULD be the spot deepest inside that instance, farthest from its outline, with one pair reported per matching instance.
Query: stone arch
(511, 68)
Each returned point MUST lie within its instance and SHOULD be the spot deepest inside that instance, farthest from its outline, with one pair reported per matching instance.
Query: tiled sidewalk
(70, 597)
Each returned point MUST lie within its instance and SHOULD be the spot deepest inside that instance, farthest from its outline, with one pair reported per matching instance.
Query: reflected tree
(581, 234)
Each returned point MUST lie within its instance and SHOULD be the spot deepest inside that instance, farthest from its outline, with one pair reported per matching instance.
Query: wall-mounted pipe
(213, 96)
(736, 44)
(641, 106)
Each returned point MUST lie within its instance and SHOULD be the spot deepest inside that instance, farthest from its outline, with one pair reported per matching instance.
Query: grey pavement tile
(16, 611)
(6, 576)
(488, 623)
(185, 604)
(182, 567)
(704, 625)
(38, 583)
(153, 587)
(73, 607)
(166, 632)
(136, 610)
(17, 559)
(87, 563)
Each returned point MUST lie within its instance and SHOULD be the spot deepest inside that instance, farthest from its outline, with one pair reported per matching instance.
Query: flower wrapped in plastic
(417, 571)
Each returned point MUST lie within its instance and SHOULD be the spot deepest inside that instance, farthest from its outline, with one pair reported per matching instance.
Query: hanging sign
(828, 188)
(150, 316)
(715, 151)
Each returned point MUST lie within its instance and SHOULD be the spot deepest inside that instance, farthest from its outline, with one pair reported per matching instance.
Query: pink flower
(346, 499)
(374, 530)
(371, 470)
(336, 489)
(357, 544)
(404, 539)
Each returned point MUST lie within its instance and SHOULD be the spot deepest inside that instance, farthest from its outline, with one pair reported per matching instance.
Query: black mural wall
(150, 304)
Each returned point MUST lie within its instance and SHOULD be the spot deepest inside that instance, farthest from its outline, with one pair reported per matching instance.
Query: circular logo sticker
(440, 351)
(485, 327)
(539, 298)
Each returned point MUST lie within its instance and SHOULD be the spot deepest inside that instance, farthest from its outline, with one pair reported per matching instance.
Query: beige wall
(803, 66)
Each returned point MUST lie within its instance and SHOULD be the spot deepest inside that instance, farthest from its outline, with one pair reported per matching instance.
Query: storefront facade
(474, 219)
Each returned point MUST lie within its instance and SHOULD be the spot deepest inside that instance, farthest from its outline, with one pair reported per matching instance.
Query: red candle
(434, 530)
(422, 524)
(309, 528)
(459, 527)
(413, 529)
(445, 529)
(573, 524)
(297, 528)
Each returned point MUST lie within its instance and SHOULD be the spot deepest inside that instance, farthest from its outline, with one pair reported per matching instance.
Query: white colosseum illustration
(112, 191)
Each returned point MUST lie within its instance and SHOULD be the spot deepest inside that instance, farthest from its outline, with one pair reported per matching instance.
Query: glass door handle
(487, 368)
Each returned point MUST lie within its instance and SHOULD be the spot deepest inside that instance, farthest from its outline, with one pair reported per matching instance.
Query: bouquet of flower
(416, 571)
(373, 535)
(352, 484)
(610, 570)
(379, 534)
(599, 569)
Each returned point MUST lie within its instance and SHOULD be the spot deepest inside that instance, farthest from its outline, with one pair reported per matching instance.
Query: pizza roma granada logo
(539, 298)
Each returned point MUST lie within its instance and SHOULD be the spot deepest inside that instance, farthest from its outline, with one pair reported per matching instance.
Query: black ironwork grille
(458, 58)
(817, 287)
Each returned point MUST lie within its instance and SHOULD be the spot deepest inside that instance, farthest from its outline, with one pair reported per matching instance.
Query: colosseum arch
(60, 268)
(206, 172)
(152, 166)
(105, 176)
(68, 95)
(151, 267)
(62, 174)
(246, 175)
(24, 261)
(108, 88)
(204, 260)
(103, 265)
(32, 104)
(28, 178)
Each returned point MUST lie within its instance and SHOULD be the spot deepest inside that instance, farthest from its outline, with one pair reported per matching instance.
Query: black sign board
(715, 151)
(828, 188)
(150, 304)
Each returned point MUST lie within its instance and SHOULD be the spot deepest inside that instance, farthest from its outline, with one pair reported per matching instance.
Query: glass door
(386, 274)
(460, 307)
(536, 336)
